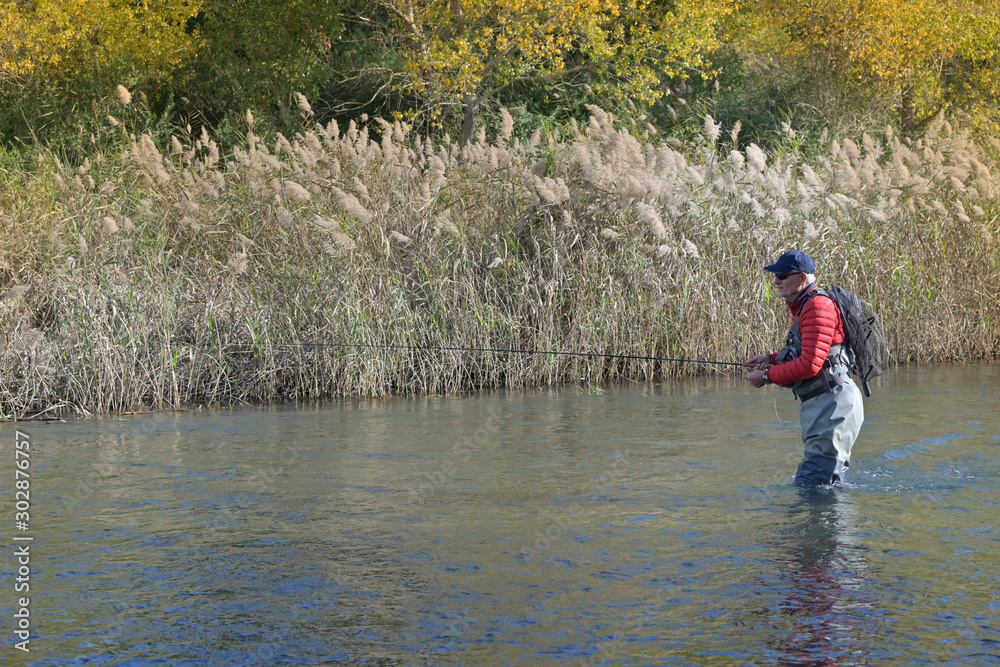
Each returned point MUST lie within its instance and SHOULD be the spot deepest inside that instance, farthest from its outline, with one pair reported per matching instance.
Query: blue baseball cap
(791, 261)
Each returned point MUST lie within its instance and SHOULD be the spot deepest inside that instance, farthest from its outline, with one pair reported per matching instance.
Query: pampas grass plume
(342, 241)
(321, 222)
(711, 129)
(352, 206)
(16, 292)
(652, 219)
(296, 193)
(756, 157)
(238, 262)
(735, 132)
(303, 104)
(506, 125)
(284, 217)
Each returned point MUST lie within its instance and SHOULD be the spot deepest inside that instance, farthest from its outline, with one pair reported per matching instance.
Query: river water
(631, 525)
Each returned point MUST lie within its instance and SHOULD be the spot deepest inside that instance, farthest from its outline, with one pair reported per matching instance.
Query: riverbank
(170, 275)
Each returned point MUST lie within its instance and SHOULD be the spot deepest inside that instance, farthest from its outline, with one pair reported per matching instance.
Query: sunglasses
(782, 276)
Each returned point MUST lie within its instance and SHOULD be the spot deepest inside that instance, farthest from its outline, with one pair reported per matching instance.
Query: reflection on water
(647, 525)
(830, 603)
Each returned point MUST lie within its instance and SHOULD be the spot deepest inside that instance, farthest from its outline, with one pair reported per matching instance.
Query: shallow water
(641, 525)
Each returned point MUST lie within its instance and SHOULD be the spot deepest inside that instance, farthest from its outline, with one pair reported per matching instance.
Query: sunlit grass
(175, 276)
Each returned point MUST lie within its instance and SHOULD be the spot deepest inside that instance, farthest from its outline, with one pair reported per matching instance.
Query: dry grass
(168, 276)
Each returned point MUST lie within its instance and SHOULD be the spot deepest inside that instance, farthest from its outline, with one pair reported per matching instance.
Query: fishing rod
(498, 350)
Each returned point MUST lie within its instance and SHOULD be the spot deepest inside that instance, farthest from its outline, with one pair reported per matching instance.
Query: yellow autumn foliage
(927, 51)
(469, 48)
(67, 40)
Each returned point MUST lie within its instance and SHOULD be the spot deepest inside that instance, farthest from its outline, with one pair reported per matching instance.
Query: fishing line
(774, 398)
(498, 350)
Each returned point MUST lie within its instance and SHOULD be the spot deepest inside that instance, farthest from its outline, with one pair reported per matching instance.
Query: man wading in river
(815, 364)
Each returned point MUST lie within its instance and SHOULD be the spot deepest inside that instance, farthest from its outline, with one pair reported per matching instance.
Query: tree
(259, 52)
(464, 51)
(70, 40)
(80, 49)
(903, 48)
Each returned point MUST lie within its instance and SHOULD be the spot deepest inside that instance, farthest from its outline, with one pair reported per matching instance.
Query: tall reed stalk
(167, 276)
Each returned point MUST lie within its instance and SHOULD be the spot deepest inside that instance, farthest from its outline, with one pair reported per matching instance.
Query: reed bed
(158, 276)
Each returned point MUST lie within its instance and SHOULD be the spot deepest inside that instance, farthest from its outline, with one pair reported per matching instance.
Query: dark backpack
(864, 335)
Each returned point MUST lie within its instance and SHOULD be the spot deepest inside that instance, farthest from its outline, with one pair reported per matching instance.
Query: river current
(627, 525)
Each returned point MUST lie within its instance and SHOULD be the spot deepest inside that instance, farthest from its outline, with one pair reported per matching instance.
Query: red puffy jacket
(821, 327)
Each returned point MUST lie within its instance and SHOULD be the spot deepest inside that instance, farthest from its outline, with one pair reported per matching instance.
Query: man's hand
(756, 378)
(759, 362)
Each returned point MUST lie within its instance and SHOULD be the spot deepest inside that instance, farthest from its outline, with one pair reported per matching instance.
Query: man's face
(789, 285)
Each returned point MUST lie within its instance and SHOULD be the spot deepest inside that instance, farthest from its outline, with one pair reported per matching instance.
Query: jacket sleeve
(821, 327)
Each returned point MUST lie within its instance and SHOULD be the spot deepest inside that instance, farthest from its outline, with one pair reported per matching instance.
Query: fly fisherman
(815, 364)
